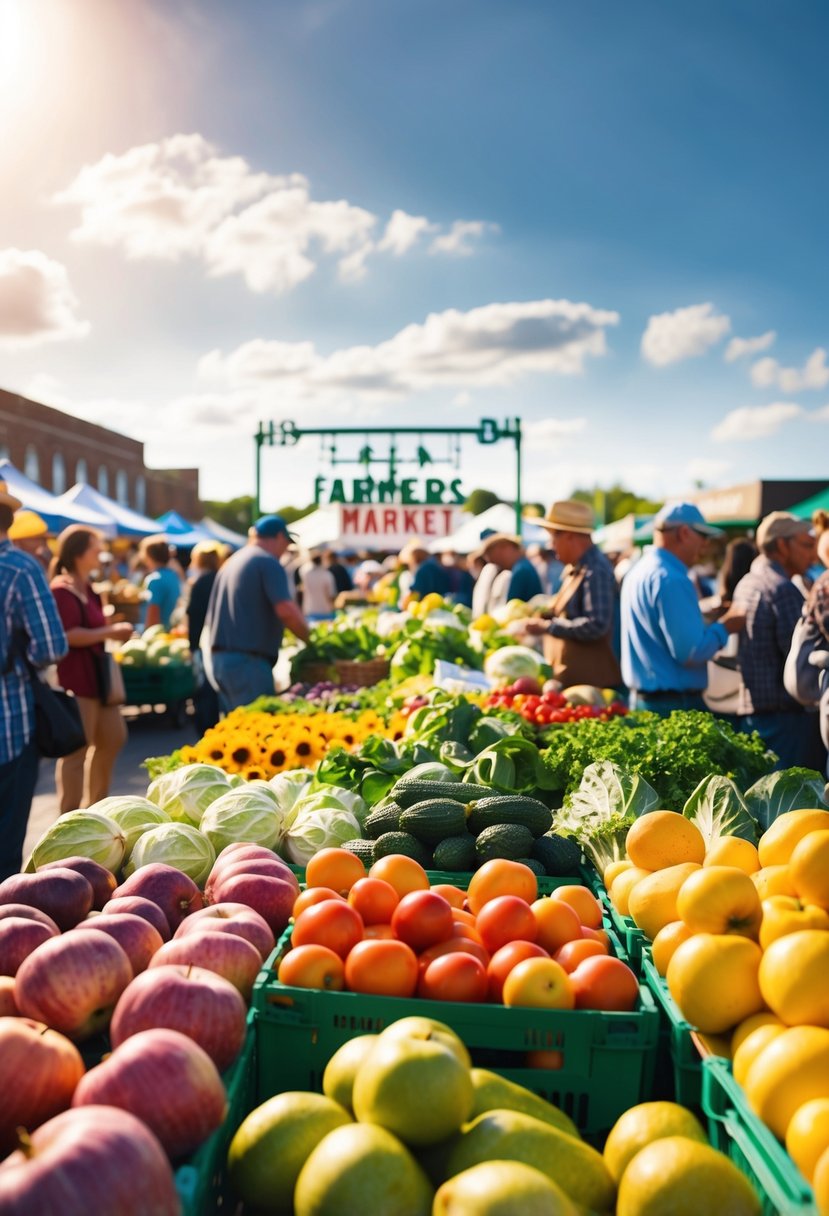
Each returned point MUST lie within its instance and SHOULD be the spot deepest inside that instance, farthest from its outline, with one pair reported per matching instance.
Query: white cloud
(767, 373)
(37, 303)
(461, 399)
(706, 469)
(821, 415)
(683, 334)
(551, 433)
(180, 198)
(492, 345)
(738, 347)
(755, 421)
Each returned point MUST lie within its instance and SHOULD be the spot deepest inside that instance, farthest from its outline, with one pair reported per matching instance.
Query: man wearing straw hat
(578, 627)
(30, 627)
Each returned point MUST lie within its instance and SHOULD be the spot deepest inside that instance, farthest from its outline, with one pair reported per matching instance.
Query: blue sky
(606, 218)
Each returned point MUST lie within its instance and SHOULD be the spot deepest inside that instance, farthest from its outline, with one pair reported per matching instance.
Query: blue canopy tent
(219, 532)
(56, 513)
(180, 532)
(127, 522)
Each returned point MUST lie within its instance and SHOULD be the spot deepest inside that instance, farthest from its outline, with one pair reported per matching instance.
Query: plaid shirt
(818, 609)
(29, 613)
(773, 606)
(590, 611)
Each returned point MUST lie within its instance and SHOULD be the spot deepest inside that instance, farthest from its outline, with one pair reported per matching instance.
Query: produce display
(154, 648)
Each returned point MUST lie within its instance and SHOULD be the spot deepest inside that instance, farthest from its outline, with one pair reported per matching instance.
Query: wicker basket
(315, 673)
(363, 673)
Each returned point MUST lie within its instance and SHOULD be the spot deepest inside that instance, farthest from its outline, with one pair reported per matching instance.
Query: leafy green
(511, 765)
(791, 789)
(600, 812)
(718, 809)
(447, 717)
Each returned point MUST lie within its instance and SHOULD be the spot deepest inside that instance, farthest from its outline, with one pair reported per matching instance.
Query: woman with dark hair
(81, 611)
(162, 585)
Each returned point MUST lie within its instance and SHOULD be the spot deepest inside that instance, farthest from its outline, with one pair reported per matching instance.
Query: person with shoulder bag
(31, 636)
(83, 777)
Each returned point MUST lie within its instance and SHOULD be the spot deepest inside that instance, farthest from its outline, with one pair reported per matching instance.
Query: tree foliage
(480, 500)
(616, 502)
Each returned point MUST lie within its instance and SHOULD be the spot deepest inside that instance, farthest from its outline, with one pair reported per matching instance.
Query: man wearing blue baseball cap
(250, 606)
(666, 644)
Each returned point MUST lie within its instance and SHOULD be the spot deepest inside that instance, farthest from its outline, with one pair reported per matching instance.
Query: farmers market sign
(408, 491)
(390, 526)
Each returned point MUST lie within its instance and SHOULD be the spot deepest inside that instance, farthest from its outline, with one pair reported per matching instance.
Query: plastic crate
(630, 933)
(736, 1131)
(202, 1183)
(608, 1058)
(678, 1046)
(158, 685)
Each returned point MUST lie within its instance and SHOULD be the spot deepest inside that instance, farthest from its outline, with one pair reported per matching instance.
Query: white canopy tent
(500, 518)
(57, 513)
(124, 521)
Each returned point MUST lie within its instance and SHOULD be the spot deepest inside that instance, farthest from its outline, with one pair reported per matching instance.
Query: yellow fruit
(644, 1123)
(666, 942)
(720, 899)
(778, 840)
(664, 838)
(743, 1029)
(794, 978)
(784, 914)
(652, 902)
(713, 979)
(809, 868)
(793, 1069)
(751, 1046)
(622, 886)
(773, 880)
(820, 1184)
(679, 1177)
(807, 1136)
(501, 1188)
(614, 870)
(733, 851)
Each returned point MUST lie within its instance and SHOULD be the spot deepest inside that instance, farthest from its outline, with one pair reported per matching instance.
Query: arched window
(140, 493)
(81, 474)
(122, 488)
(31, 464)
(58, 474)
(103, 479)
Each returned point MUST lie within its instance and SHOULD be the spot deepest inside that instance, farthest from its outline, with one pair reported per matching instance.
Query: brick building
(56, 450)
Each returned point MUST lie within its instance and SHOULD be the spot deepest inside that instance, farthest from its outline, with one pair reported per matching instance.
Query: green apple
(342, 1068)
(502, 1188)
(417, 1027)
(416, 1088)
(497, 1093)
(362, 1169)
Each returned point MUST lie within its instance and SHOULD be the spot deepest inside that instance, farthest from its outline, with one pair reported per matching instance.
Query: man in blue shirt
(507, 553)
(666, 644)
(430, 577)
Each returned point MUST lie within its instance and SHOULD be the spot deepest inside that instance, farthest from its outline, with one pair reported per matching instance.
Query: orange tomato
(597, 935)
(461, 929)
(557, 923)
(501, 877)
(573, 953)
(313, 895)
(375, 900)
(452, 945)
(606, 983)
(553, 1060)
(404, 873)
(312, 967)
(463, 914)
(539, 983)
(453, 895)
(454, 977)
(503, 961)
(334, 868)
(378, 931)
(382, 968)
(423, 918)
(506, 919)
(583, 902)
(333, 924)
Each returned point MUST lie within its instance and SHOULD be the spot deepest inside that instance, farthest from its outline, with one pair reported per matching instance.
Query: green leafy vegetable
(600, 812)
(718, 809)
(791, 789)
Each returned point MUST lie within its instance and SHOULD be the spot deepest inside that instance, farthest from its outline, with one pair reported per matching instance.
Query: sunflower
(254, 773)
(214, 751)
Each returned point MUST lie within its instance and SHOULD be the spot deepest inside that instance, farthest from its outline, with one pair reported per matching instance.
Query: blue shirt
(665, 641)
(430, 577)
(240, 614)
(28, 613)
(164, 588)
(524, 582)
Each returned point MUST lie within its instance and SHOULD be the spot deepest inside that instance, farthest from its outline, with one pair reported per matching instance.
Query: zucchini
(560, 855)
(402, 842)
(510, 840)
(434, 819)
(362, 849)
(382, 819)
(456, 853)
(408, 792)
(510, 808)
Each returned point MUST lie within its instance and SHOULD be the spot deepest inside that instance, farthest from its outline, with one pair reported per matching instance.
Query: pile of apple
(169, 978)
(741, 934)
(388, 932)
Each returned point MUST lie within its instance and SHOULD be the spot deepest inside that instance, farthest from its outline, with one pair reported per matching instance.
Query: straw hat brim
(553, 526)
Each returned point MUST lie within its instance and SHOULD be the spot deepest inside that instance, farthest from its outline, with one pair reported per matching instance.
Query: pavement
(150, 734)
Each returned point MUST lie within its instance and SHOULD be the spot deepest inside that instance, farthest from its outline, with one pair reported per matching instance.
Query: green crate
(678, 1047)
(158, 685)
(630, 933)
(608, 1057)
(202, 1182)
(736, 1131)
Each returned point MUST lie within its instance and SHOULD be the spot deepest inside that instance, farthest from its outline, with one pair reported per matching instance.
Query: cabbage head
(81, 834)
(186, 793)
(246, 815)
(133, 815)
(330, 797)
(326, 827)
(290, 786)
(511, 663)
(174, 844)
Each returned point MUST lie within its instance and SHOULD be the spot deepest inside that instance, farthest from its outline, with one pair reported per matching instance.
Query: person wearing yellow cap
(28, 532)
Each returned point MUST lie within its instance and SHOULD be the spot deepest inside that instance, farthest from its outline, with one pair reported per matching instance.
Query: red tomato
(572, 954)
(606, 983)
(452, 945)
(382, 968)
(374, 899)
(503, 961)
(313, 895)
(506, 919)
(333, 924)
(312, 967)
(454, 977)
(423, 918)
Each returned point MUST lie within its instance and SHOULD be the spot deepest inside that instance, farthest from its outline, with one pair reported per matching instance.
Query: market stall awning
(498, 518)
(818, 502)
(127, 522)
(56, 512)
(179, 531)
(219, 532)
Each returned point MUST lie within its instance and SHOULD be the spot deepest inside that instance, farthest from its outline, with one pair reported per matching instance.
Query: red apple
(102, 880)
(63, 894)
(136, 936)
(168, 1081)
(39, 1070)
(136, 905)
(199, 1003)
(239, 851)
(8, 1005)
(175, 893)
(232, 918)
(272, 898)
(225, 953)
(28, 913)
(96, 1159)
(72, 982)
(18, 938)
(273, 868)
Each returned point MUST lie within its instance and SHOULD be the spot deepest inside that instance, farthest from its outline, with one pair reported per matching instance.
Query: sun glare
(15, 30)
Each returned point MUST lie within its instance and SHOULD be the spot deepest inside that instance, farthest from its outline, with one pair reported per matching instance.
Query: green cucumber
(408, 792)
(509, 840)
(510, 808)
(433, 820)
